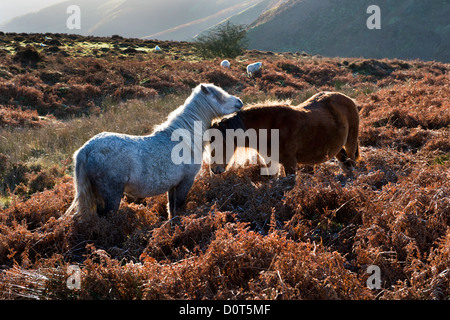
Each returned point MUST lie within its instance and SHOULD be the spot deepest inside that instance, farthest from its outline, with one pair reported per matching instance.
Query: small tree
(225, 41)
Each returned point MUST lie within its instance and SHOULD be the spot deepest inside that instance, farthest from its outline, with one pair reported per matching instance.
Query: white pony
(110, 164)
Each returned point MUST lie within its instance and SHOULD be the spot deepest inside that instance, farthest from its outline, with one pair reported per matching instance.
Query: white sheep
(254, 67)
(225, 64)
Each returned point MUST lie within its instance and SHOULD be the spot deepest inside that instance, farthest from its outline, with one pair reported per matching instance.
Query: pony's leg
(177, 196)
(171, 194)
(345, 162)
(289, 164)
(111, 194)
(112, 203)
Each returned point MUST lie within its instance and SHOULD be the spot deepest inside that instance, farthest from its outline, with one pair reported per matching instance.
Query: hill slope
(409, 29)
(177, 20)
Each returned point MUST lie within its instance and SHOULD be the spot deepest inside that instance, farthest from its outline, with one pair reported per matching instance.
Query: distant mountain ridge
(252, 13)
(194, 27)
(410, 29)
(165, 19)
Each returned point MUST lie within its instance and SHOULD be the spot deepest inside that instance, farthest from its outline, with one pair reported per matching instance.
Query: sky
(13, 8)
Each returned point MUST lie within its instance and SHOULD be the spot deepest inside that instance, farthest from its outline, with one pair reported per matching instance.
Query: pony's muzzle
(239, 104)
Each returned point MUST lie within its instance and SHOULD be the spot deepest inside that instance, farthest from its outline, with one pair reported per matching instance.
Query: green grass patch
(440, 160)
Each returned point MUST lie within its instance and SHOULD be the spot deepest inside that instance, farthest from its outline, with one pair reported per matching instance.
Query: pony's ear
(204, 89)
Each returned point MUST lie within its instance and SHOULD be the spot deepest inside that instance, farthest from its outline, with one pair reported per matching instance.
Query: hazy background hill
(409, 28)
(162, 19)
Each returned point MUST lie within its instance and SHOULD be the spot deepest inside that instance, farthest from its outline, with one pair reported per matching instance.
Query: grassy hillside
(409, 29)
(240, 235)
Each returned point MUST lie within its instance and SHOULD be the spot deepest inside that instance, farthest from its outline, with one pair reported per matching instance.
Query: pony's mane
(269, 103)
(196, 108)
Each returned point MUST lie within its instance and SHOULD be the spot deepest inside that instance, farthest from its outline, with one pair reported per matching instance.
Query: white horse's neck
(196, 108)
(196, 111)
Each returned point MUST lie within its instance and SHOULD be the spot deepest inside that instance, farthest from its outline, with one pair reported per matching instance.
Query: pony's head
(225, 130)
(223, 102)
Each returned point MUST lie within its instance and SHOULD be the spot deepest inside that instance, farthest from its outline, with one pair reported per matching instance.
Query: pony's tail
(84, 193)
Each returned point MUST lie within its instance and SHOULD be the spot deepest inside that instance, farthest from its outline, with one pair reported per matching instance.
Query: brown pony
(323, 127)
